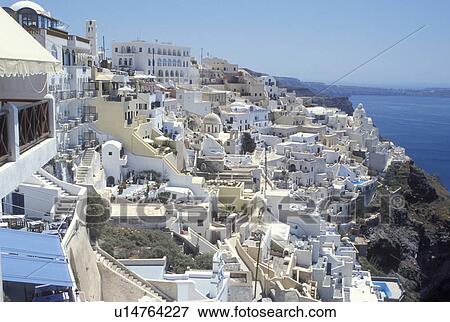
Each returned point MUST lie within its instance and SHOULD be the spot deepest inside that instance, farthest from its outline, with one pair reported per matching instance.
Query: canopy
(33, 258)
(104, 77)
(20, 53)
(162, 138)
(125, 89)
(143, 76)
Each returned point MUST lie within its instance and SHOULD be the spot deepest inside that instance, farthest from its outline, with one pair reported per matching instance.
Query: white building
(166, 61)
(192, 101)
(113, 161)
(241, 116)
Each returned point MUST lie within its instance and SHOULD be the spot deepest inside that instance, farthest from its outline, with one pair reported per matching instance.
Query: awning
(104, 77)
(125, 89)
(20, 53)
(33, 258)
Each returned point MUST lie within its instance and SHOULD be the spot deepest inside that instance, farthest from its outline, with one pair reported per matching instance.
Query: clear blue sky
(311, 40)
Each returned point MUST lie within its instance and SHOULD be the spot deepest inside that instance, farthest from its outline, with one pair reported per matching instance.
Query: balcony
(65, 95)
(27, 140)
(89, 114)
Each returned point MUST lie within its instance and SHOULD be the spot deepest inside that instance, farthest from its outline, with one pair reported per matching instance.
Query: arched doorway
(110, 181)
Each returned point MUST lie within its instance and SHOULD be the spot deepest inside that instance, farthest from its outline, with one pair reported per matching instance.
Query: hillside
(413, 242)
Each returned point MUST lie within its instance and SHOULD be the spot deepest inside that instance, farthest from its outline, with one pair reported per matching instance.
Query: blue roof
(33, 258)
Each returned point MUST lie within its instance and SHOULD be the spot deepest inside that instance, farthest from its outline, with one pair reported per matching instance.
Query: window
(120, 61)
(110, 153)
(200, 223)
(140, 49)
(116, 49)
(54, 52)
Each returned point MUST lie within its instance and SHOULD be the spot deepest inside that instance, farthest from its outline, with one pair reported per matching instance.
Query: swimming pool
(384, 288)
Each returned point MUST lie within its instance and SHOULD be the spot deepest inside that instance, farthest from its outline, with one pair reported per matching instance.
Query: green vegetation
(144, 243)
(97, 214)
(248, 143)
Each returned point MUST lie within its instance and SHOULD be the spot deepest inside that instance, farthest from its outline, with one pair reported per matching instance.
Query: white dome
(30, 4)
(212, 118)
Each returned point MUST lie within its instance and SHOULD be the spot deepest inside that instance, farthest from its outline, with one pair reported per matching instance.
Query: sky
(309, 40)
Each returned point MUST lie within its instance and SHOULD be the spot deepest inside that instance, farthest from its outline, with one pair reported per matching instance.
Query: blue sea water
(419, 124)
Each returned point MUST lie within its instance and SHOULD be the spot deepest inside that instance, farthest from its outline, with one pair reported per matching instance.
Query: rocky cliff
(412, 240)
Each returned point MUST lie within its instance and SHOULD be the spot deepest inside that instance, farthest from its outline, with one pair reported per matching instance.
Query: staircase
(65, 205)
(49, 183)
(111, 263)
(83, 168)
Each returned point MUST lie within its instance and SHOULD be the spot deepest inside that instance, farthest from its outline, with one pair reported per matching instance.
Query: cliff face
(342, 103)
(412, 241)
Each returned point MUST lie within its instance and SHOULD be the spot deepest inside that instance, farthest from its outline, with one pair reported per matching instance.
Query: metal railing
(4, 149)
(65, 95)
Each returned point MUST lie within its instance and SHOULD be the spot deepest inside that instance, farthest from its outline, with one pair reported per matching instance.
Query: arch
(66, 58)
(164, 62)
(179, 53)
(120, 61)
(167, 73)
(179, 63)
(164, 51)
(128, 49)
(130, 62)
(74, 57)
(110, 181)
(174, 62)
(55, 51)
(292, 168)
(160, 73)
(159, 61)
(159, 51)
(181, 74)
(169, 62)
(176, 73)
(169, 52)
(171, 73)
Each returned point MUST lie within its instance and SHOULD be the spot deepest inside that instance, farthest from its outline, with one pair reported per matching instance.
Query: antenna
(201, 64)
(104, 48)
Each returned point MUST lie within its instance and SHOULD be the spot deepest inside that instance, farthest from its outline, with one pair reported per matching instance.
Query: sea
(419, 124)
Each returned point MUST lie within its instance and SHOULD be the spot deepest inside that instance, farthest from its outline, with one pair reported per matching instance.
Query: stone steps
(126, 274)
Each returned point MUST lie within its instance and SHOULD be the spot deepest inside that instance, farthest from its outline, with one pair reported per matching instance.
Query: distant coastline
(304, 88)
